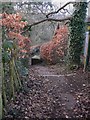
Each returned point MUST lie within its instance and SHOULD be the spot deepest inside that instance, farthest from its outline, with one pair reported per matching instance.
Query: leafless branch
(59, 9)
(67, 11)
(40, 10)
(50, 13)
(88, 2)
(52, 19)
(48, 19)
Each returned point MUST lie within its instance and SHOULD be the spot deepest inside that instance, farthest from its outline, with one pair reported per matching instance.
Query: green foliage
(6, 53)
(0, 106)
(8, 45)
(11, 70)
(77, 33)
(7, 7)
(22, 68)
(5, 56)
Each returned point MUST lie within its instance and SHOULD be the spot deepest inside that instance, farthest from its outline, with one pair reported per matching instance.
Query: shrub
(55, 50)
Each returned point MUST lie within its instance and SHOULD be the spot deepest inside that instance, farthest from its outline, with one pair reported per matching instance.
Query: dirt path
(58, 85)
(51, 92)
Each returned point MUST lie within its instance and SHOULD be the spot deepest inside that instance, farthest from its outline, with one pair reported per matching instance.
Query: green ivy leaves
(77, 33)
(6, 50)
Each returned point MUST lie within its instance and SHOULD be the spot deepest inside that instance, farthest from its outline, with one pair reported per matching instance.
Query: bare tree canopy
(48, 18)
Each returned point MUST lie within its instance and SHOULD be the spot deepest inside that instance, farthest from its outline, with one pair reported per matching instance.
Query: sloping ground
(53, 92)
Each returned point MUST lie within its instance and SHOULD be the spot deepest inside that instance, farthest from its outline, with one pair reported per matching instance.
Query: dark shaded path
(51, 92)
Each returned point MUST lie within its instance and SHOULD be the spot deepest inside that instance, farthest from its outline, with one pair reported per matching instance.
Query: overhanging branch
(50, 13)
(51, 19)
(59, 9)
(48, 19)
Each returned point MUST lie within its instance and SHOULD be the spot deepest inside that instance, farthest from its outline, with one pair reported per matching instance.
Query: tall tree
(77, 34)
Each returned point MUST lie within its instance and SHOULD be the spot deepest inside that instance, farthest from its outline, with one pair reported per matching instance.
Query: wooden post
(86, 51)
(0, 106)
(0, 73)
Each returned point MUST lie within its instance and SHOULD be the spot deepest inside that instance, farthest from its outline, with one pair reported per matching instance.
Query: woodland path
(52, 92)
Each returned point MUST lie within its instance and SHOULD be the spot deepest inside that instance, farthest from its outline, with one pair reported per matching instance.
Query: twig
(48, 19)
(59, 9)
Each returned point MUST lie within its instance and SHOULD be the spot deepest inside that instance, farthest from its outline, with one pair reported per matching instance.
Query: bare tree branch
(50, 13)
(88, 2)
(48, 19)
(40, 10)
(66, 11)
(52, 19)
(59, 9)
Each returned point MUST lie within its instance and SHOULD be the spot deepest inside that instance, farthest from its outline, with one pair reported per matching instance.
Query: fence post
(0, 73)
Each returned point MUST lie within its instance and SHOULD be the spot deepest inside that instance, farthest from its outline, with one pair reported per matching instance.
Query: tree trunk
(77, 34)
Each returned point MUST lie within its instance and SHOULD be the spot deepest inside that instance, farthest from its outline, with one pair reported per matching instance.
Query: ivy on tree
(77, 34)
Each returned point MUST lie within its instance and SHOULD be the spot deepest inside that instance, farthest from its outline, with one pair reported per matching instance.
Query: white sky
(65, 1)
(61, 1)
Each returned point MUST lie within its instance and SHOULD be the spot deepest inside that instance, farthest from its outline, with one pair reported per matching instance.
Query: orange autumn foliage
(14, 27)
(54, 50)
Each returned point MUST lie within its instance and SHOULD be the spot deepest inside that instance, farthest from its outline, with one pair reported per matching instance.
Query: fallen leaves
(49, 97)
